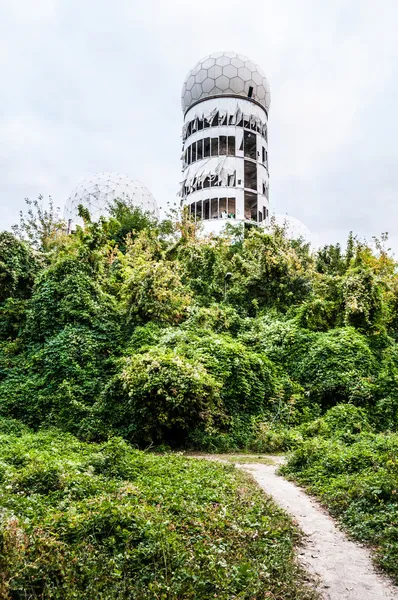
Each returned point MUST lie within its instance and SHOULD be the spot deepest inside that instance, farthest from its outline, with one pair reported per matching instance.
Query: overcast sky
(94, 85)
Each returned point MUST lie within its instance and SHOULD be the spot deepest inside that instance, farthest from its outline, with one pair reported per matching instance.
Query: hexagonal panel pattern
(97, 193)
(225, 73)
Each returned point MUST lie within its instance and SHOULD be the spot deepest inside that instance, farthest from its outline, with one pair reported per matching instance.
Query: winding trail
(343, 568)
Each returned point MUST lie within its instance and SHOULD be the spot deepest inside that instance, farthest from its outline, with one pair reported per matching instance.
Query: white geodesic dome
(225, 74)
(294, 228)
(99, 191)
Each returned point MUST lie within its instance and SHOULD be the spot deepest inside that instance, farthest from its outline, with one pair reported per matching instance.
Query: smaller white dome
(294, 228)
(99, 191)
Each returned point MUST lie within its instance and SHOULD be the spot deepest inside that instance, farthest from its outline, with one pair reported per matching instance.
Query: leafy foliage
(106, 521)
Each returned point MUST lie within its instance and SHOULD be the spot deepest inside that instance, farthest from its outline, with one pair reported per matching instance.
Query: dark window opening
(206, 147)
(214, 121)
(214, 146)
(251, 206)
(214, 208)
(206, 209)
(199, 151)
(250, 170)
(260, 216)
(231, 209)
(200, 124)
(193, 152)
(263, 154)
(231, 145)
(222, 208)
(250, 145)
(223, 145)
(250, 94)
(199, 210)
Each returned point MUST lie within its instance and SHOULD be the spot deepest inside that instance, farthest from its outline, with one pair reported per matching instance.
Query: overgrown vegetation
(130, 328)
(105, 521)
(355, 474)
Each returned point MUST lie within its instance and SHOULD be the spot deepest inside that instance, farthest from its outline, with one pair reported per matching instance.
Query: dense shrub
(159, 397)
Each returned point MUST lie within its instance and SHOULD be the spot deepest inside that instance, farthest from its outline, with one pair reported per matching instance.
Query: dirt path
(344, 568)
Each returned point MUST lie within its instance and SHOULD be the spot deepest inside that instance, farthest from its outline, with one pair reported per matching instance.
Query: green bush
(159, 397)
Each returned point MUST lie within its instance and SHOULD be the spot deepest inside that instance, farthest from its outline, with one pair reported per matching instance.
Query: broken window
(231, 145)
(264, 187)
(192, 211)
(263, 154)
(231, 180)
(206, 147)
(231, 208)
(199, 210)
(223, 145)
(250, 145)
(241, 146)
(199, 150)
(246, 122)
(239, 120)
(250, 170)
(214, 146)
(214, 120)
(206, 209)
(206, 182)
(193, 151)
(214, 208)
(222, 208)
(200, 124)
(251, 206)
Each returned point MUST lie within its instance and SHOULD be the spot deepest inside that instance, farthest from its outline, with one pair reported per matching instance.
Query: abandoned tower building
(225, 101)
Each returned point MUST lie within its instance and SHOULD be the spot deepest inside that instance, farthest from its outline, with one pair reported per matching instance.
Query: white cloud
(91, 86)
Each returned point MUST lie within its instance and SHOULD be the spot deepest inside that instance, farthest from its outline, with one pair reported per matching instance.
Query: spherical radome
(294, 228)
(225, 73)
(98, 192)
